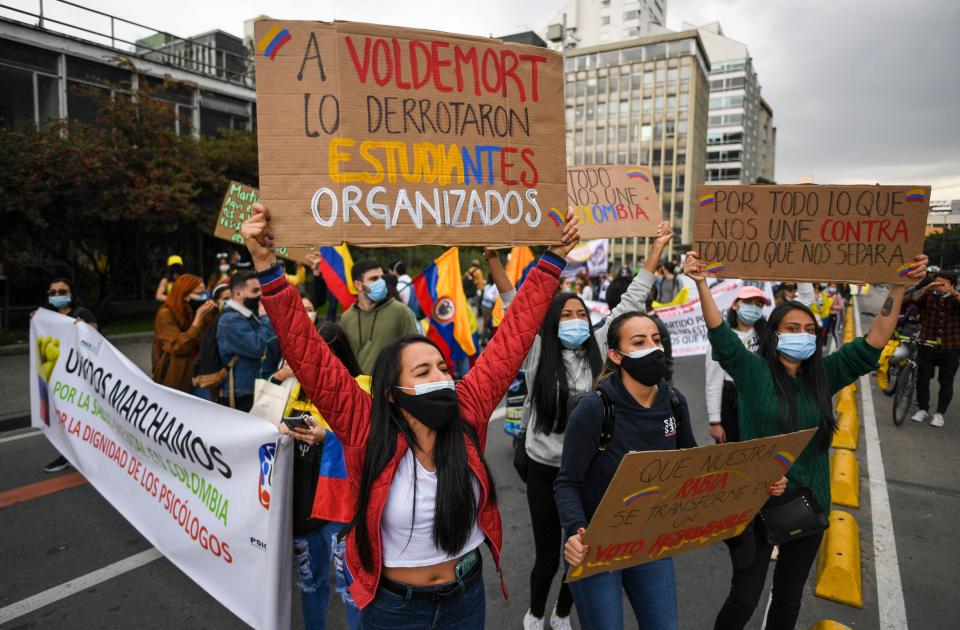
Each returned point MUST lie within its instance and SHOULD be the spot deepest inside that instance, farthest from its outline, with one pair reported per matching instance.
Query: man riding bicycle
(939, 304)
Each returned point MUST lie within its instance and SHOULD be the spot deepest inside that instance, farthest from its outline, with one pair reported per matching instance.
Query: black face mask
(435, 409)
(648, 370)
(197, 303)
(252, 303)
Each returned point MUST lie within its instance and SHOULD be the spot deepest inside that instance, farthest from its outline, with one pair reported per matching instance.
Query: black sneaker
(57, 465)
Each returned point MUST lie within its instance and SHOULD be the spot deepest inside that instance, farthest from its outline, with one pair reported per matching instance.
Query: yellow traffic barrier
(846, 401)
(838, 565)
(829, 624)
(845, 478)
(848, 431)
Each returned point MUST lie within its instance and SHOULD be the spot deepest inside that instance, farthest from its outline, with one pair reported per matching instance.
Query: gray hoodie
(546, 449)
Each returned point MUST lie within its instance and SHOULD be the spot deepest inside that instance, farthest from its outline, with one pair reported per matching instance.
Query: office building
(642, 102)
(595, 22)
(741, 137)
(50, 62)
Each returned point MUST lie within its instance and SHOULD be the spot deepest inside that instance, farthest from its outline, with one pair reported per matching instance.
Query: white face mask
(425, 388)
(312, 315)
(224, 268)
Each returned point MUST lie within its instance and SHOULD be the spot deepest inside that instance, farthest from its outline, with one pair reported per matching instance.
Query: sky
(863, 91)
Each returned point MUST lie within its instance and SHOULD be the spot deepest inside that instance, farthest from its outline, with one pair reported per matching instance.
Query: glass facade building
(642, 102)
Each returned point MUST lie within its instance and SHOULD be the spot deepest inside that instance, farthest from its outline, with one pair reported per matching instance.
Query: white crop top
(400, 548)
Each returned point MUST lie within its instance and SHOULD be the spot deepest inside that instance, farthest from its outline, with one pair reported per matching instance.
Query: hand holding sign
(570, 236)
(574, 551)
(258, 237)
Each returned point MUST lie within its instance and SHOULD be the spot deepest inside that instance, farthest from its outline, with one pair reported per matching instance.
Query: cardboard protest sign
(237, 208)
(663, 503)
(815, 233)
(384, 136)
(613, 200)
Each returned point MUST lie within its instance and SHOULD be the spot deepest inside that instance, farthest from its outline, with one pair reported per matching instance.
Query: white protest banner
(206, 485)
(598, 311)
(688, 332)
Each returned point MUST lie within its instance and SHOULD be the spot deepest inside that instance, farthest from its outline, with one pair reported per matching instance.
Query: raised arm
(696, 271)
(486, 383)
(328, 384)
(886, 321)
(635, 297)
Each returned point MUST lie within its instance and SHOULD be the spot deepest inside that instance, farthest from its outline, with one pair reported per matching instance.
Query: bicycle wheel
(892, 371)
(903, 397)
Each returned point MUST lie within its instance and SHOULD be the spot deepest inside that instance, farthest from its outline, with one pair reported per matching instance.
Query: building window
(604, 20)
(631, 15)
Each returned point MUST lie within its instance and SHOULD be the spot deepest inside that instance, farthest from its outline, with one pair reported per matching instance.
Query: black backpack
(606, 428)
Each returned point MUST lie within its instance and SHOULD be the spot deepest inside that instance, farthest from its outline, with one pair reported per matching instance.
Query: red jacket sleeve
(485, 385)
(328, 384)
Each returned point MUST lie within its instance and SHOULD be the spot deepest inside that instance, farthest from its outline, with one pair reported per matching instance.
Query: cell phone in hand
(295, 422)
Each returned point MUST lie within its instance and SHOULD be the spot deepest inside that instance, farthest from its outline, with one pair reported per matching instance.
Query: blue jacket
(584, 473)
(247, 338)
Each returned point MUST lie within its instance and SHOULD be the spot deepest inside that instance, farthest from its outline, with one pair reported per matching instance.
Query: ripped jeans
(311, 555)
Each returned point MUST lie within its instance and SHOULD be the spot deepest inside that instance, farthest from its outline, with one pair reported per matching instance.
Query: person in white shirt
(746, 319)
(404, 282)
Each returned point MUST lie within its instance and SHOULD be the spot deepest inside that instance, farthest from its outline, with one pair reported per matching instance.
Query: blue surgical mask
(434, 386)
(60, 301)
(573, 333)
(749, 313)
(797, 346)
(377, 290)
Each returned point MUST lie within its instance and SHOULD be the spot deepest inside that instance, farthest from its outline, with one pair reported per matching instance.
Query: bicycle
(903, 397)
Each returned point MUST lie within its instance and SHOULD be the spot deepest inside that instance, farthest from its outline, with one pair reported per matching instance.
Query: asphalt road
(50, 540)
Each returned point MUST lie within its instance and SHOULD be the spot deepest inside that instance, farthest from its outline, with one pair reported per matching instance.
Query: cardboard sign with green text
(384, 136)
(862, 234)
(236, 208)
(613, 200)
(663, 503)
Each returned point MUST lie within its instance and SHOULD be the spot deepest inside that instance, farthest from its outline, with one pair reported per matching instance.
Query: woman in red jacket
(413, 448)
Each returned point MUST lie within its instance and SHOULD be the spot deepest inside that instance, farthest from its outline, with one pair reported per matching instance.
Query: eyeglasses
(55, 292)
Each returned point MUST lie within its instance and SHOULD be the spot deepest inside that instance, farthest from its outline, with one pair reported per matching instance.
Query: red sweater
(346, 407)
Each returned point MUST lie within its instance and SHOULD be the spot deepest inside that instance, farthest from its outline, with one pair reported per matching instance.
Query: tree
(91, 201)
(943, 248)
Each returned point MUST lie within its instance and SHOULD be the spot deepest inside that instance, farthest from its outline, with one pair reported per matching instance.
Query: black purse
(793, 515)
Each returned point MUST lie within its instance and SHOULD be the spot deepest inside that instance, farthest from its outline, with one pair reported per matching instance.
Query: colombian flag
(520, 262)
(439, 290)
(335, 266)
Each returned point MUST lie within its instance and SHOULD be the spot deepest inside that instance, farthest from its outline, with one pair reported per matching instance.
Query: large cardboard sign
(613, 200)
(236, 208)
(384, 136)
(816, 233)
(663, 503)
(207, 485)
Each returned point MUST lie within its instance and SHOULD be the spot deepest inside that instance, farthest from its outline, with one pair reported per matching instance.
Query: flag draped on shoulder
(335, 266)
(439, 290)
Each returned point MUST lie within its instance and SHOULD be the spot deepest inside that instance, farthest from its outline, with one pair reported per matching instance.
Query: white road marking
(74, 586)
(21, 436)
(893, 611)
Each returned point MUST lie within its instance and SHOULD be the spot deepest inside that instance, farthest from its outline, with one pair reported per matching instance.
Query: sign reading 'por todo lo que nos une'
(807, 232)
(377, 135)
(613, 200)
(663, 503)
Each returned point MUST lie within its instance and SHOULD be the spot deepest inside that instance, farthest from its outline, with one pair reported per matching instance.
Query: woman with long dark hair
(564, 361)
(648, 415)
(788, 387)
(414, 445)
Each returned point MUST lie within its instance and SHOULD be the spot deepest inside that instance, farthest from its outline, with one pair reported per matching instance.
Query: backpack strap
(606, 429)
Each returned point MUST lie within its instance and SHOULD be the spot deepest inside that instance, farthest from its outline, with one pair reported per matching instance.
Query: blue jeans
(390, 611)
(312, 555)
(651, 589)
